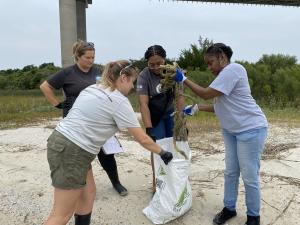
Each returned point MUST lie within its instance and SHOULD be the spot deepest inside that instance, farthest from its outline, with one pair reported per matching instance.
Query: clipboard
(112, 146)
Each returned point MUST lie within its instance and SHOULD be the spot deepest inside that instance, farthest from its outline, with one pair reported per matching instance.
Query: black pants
(108, 162)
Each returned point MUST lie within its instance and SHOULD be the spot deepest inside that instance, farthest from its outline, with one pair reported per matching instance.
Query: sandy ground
(26, 193)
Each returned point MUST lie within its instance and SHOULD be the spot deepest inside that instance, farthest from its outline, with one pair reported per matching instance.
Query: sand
(26, 193)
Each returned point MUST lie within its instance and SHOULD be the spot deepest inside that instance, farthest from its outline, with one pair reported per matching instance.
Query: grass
(290, 116)
(19, 108)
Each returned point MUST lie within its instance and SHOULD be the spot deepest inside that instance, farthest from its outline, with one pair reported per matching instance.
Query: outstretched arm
(144, 140)
(205, 93)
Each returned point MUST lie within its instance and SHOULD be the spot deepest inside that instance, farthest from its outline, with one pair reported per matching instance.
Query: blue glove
(179, 77)
(190, 110)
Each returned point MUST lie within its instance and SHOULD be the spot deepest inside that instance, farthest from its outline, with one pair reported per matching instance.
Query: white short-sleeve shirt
(96, 115)
(236, 108)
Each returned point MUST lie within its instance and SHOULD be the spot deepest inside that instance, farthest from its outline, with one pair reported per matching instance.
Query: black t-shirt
(72, 80)
(160, 102)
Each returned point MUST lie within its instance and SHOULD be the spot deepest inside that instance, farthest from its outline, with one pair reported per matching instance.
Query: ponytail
(219, 48)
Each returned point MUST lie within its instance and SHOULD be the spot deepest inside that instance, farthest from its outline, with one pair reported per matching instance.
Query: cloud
(125, 28)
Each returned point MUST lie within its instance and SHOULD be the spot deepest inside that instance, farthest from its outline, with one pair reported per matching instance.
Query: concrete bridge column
(68, 30)
(81, 19)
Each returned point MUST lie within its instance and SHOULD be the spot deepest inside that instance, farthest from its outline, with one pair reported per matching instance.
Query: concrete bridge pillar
(81, 19)
(72, 26)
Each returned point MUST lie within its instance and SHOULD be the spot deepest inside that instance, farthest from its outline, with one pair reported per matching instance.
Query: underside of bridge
(73, 19)
(252, 2)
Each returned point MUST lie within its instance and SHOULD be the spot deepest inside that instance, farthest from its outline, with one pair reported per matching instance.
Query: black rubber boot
(223, 216)
(253, 220)
(109, 164)
(83, 219)
(114, 178)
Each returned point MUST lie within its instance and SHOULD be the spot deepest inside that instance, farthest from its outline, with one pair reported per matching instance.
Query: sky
(124, 29)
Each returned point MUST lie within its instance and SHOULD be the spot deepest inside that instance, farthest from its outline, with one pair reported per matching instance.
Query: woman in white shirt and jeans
(244, 128)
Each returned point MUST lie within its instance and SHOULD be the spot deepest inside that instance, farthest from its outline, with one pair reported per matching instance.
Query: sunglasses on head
(89, 44)
(126, 68)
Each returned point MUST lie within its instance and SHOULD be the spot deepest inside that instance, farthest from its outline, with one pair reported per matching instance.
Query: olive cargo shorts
(68, 162)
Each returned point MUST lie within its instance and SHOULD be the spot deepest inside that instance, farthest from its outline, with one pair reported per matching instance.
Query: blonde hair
(113, 71)
(80, 47)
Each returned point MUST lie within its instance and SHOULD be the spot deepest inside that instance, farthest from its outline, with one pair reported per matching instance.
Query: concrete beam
(252, 2)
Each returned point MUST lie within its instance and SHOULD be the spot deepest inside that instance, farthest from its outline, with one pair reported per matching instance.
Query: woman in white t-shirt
(72, 80)
(97, 114)
(244, 128)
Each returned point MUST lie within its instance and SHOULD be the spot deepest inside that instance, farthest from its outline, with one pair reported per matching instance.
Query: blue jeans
(242, 155)
(164, 128)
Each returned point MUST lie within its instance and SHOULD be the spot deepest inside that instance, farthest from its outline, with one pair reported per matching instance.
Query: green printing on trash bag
(182, 198)
(161, 171)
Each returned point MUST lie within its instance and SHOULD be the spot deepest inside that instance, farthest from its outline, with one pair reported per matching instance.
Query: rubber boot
(114, 178)
(82, 219)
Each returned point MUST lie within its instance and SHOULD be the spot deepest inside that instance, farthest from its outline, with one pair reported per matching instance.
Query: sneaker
(223, 216)
(253, 220)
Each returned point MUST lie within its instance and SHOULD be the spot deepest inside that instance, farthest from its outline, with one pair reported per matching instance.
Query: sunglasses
(89, 44)
(129, 66)
(126, 68)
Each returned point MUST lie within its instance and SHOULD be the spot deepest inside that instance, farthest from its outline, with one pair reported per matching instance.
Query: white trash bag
(173, 196)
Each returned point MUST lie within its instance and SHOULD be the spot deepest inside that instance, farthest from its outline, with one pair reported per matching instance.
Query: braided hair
(219, 48)
(155, 50)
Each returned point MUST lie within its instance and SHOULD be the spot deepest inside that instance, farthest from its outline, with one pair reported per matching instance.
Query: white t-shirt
(96, 115)
(236, 108)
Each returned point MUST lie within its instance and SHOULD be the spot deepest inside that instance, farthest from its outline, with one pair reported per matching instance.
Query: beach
(26, 192)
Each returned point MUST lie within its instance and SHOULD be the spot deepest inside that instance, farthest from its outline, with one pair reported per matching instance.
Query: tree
(28, 68)
(46, 65)
(278, 61)
(3, 82)
(259, 77)
(287, 84)
(194, 57)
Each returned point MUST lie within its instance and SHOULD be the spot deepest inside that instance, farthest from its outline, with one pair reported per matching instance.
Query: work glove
(60, 105)
(166, 156)
(179, 77)
(190, 110)
(149, 133)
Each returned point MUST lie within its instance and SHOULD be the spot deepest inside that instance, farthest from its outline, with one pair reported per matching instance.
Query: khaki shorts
(68, 162)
